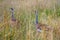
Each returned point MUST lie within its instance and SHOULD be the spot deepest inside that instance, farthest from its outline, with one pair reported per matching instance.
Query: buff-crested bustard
(43, 29)
(13, 21)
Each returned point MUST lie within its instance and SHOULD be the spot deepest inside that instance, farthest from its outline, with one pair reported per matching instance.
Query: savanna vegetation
(27, 21)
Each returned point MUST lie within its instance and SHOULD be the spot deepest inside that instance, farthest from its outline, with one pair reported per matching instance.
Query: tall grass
(27, 30)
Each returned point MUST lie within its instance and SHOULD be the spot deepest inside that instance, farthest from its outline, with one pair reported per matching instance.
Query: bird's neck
(12, 17)
(36, 17)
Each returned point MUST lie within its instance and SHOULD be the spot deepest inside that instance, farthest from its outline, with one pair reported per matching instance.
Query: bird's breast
(13, 23)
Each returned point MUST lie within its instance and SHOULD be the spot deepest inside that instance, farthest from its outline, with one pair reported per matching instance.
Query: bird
(13, 21)
(43, 28)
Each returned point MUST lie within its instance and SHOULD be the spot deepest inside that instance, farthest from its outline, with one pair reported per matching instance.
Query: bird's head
(12, 9)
